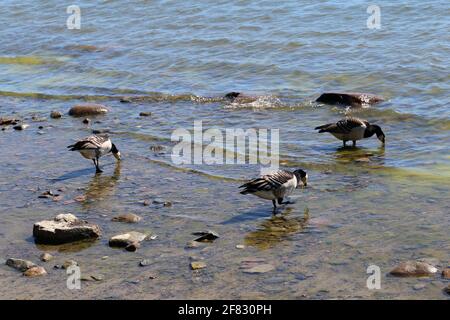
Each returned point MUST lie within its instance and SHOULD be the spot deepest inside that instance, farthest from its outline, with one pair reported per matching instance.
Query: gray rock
(126, 239)
(88, 109)
(64, 228)
(20, 264)
(413, 269)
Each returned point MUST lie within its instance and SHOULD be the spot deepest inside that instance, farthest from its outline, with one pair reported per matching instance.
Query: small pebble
(55, 114)
(195, 265)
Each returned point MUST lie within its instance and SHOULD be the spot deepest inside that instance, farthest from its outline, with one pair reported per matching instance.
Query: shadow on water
(276, 229)
(78, 173)
(263, 212)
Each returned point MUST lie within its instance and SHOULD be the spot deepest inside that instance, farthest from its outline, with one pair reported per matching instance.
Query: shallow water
(369, 205)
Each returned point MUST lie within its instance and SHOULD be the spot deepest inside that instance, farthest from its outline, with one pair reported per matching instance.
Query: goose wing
(91, 142)
(268, 182)
(343, 126)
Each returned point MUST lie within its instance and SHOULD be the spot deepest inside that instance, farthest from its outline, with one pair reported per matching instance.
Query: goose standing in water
(352, 129)
(276, 186)
(94, 147)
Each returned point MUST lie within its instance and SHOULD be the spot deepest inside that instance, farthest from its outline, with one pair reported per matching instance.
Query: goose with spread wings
(352, 129)
(275, 186)
(94, 147)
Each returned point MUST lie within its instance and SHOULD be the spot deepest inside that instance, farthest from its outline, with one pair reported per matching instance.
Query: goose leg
(345, 143)
(354, 143)
(97, 167)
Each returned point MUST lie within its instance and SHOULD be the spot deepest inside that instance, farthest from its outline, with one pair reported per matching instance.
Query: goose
(94, 147)
(352, 129)
(276, 185)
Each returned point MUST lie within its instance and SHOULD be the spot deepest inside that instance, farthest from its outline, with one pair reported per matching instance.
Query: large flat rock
(64, 228)
(354, 99)
(413, 269)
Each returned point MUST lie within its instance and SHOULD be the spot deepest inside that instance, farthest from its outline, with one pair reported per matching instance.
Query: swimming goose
(275, 186)
(352, 129)
(94, 147)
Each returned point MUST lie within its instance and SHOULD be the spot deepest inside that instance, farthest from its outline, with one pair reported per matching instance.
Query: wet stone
(447, 289)
(261, 268)
(446, 273)
(45, 257)
(55, 114)
(21, 127)
(69, 263)
(206, 236)
(19, 264)
(419, 286)
(413, 269)
(87, 121)
(145, 114)
(126, 239)
(196, 265)
(192, 245)
(35, 271)
(127, 218)
(90, 109)
(64, 228)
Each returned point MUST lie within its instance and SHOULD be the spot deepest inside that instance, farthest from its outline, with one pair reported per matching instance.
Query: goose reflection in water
(276, 229)
(102, 186)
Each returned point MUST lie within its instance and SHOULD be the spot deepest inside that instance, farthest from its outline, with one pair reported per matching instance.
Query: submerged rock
(64, 228)
(90, 109)
(413, 269)
(20, 264)
(260, 268)
(86, 121)
(132, 238)
(354, 99)
(21, 127)
(145, 114)
(55, 114)
(127, 217)
(35, 271)
(447, 289)
(206, 236)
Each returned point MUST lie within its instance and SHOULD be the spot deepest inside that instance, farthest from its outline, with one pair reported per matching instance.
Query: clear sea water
(176, 59)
